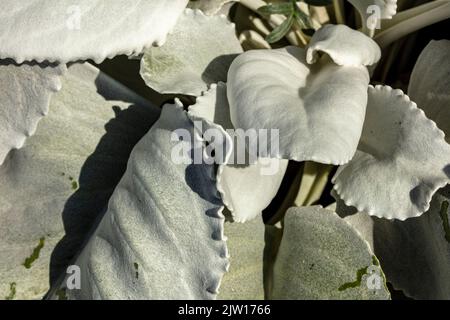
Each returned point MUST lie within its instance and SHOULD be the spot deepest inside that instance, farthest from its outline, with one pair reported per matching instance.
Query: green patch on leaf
(136, 268)
(359, 275)
(61, 294)
(160, 63)
(375, 261)
(12, 291)
(35, 254)
(444, 217)
(74, 185)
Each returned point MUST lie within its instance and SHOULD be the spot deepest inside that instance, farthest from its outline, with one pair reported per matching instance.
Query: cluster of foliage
(93, 205)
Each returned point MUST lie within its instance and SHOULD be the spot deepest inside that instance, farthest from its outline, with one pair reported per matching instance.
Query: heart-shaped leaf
(278, 89)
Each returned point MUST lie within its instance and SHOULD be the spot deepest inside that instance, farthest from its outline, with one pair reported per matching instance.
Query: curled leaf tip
(347, 47)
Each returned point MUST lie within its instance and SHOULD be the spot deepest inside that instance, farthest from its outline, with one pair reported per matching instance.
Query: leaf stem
(313, 183)
(338, 6)
(411, 20)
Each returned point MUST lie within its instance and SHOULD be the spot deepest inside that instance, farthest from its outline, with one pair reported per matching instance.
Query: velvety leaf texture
(60, 182)
(162, 234)
(25, 95)
(323, 257)
(64, 30)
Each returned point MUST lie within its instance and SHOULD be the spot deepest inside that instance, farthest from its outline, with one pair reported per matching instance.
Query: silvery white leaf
(25, 94)
(429, 86)
(402, 159)
(198, 53)
(244, 280)
(246, 187)
(344, 45)
(273, 235)
(209, 7)
(278, 89)
(411, 20)
(64, 30)
(361, 221)
(414, 253)
(323, 257)
(213, 106)
(162, 235)
(379, 9)
(57, 185)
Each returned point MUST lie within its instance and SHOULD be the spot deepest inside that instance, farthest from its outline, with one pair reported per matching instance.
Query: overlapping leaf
(429, 86)
(57, 185)
(323, 257)
(198, 53)
(64, 30)
(414, 253)
(278, 89)
(249, 186)
(402, 159)
(25, 95)
(244, 280)
(162, 234)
